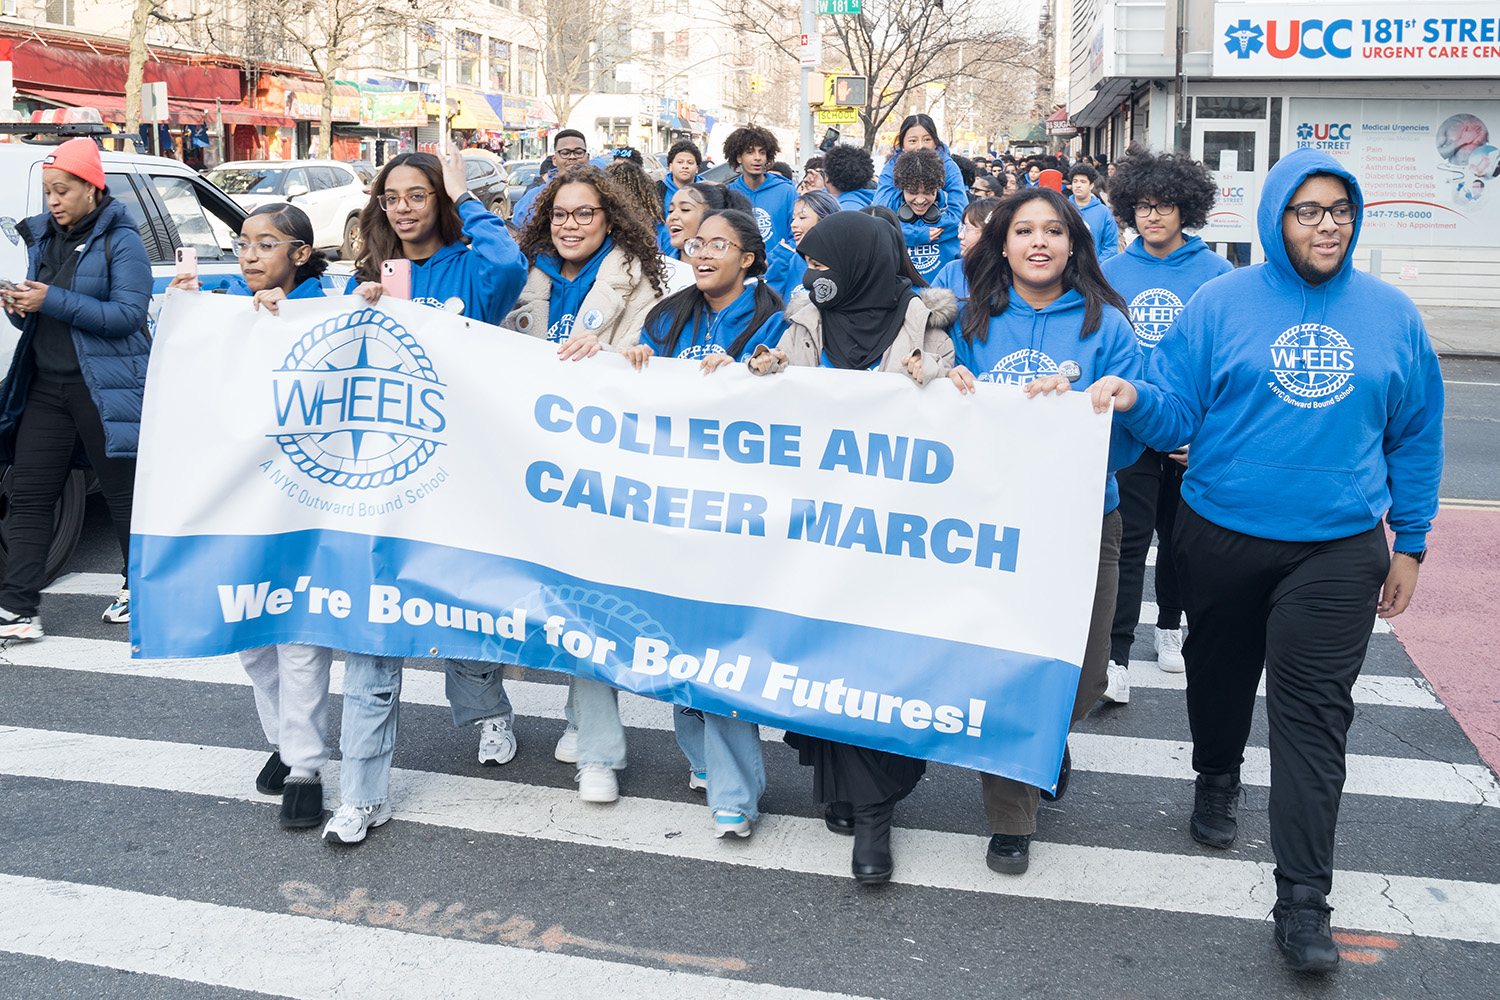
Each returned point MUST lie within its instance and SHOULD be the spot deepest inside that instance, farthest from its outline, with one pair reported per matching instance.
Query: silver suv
(330, 192)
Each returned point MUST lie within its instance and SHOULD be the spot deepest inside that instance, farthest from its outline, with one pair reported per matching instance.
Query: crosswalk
(156, 743)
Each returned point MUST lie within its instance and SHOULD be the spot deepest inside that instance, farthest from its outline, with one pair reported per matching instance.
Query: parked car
(330, 192)
(172, 207)
(365, 169)
(721, 174)
(488, 180)
(522, 173)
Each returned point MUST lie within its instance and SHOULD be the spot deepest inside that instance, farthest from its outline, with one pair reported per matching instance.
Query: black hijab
(862, 297)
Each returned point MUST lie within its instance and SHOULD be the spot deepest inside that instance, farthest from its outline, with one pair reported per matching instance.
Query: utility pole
(809, 27)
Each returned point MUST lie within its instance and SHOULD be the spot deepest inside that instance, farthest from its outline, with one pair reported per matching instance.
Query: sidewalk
(1459, 332)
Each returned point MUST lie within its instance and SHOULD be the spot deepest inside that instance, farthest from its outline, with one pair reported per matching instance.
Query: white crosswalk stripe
(1396, 777)
(1369, 901)
(1370, 689)
(1149, 608)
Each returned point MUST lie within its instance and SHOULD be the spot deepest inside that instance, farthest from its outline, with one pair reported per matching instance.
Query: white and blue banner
(835, 553)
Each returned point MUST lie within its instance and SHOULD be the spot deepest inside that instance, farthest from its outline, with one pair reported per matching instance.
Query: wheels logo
(924, 257)
(700, 351)
(1020, 367)
(357, 403)
(1244, 38)
(1312, 365)
(1153, 312)
(763, 220)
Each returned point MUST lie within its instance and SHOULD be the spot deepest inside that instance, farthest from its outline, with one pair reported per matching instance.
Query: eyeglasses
(244, 248)
(708, 249)
(582, 215)
(414, 199)
(1145, 208)
(571, 153)
(1312, 215)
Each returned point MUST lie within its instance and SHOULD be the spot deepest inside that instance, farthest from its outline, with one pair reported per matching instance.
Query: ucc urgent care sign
(1454, 38)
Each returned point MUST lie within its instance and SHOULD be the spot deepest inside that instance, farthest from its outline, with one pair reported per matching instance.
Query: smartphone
(10, 286)
(187, 261)
(395, 277)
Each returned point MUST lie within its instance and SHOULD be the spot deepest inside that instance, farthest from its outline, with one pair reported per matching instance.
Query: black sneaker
(1009, 854)
(1303, 933)
(272, 777)
(1216, 800)
(302, 803)
(1063, 776)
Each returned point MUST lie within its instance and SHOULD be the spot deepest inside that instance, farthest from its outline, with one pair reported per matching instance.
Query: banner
(836, 553)
(1430, 170)
(1316, 39)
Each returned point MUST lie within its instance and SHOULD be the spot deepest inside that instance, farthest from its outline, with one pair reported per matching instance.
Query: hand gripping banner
(836, 553)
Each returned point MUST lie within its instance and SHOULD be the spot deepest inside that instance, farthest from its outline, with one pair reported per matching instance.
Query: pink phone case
(395, 277)
(187, 261)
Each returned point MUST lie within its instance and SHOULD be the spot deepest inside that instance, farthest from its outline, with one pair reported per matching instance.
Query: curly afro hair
(746, 138)
(632, 232)
(919, 170)
(848, 168)
(1174, 177)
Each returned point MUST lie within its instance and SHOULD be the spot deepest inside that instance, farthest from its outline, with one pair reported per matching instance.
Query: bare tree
(901, 46)
(581, 42)
(141, 17)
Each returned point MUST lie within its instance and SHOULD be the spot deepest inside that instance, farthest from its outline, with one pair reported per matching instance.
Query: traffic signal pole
(809, 26)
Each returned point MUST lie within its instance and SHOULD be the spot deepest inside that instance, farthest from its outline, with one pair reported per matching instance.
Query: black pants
(1150, 490)
(1303, 611)
(57, 416)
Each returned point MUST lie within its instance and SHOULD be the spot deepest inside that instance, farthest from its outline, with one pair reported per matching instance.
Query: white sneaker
(726, 823)
(1118, 688)
(118, 613)
(350, 824)
(567, 746)
(20, 627)
(1169, 650)
(597, 784)
(698, 781)
(497, 741)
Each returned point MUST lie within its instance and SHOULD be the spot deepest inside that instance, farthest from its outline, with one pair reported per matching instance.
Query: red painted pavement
(1452, 628)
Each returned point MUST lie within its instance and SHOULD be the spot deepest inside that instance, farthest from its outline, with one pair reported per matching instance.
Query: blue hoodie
(724, 328)
(1025, 343)
(951, 276)
(312, 288)
(784, 269)
(853, 201)
(1313, 410)
(486, 275)
(568, 293)
(520, 213)
(1101, 223)
(772, 202)
(928, 255)
(1158, 287)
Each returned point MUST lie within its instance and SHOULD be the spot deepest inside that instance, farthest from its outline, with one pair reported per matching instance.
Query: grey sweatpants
(291, 695)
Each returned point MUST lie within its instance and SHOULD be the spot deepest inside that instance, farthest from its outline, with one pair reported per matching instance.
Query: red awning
(38, 65)
(1060, 115)
(112, 108)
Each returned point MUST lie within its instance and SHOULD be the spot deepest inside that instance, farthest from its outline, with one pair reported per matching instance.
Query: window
(125, 193)
(500, 3)
(394, 48)
(499, 65)
(526, 72)
(59, 11)
(429, 54)
(198, 227)
(468, 58)
(323, 178)
(658, 45)
(1231, 107)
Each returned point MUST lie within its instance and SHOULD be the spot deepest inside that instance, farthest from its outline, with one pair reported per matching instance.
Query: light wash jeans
(729, 751)
(476, 691)
(594, 710)
(291, 696)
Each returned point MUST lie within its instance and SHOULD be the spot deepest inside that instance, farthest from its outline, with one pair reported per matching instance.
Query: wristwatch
(1419, 556)
(466, 196)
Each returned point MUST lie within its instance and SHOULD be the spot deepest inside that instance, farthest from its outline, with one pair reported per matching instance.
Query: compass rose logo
(357, 403)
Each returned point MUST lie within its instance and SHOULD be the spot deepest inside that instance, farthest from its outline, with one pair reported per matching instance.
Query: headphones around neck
(931, 217)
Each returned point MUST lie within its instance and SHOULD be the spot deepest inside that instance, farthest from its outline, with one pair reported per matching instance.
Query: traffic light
(850, 91)
(758, 82)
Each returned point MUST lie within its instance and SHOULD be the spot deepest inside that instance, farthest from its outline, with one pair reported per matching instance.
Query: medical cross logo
(1244, 38)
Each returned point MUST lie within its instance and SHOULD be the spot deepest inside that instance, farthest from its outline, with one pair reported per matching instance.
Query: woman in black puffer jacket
(79, 371)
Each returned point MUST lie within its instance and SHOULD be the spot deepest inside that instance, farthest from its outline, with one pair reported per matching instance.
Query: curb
(1468, 356)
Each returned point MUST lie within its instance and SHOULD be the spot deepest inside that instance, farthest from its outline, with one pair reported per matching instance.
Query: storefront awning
(111, 108)
(472, 111)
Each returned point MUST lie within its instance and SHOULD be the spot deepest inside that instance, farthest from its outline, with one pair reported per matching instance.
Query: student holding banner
(1314, 402)
(595, 274)
(1041, 315)
(858, 313)
(290, 680)
(460, 253)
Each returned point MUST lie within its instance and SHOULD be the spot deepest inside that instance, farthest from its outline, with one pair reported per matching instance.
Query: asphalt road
(137, 860)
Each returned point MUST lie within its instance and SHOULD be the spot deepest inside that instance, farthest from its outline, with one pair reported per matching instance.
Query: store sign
(514, 111)
(1455, 38)
(308, 106)
(1232, 219)
(393, 110)
(1430, 170)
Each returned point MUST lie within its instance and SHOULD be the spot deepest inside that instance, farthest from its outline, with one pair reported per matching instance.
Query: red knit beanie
(79, 157)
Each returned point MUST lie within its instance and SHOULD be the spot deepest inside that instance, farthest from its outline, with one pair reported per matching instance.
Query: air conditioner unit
(8, 8)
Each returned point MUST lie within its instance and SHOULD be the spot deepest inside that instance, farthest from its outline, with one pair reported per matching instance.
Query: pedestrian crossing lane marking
(1396, 777)
(1242, 889)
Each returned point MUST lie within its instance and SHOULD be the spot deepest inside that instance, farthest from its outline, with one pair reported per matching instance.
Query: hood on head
(1281, 183)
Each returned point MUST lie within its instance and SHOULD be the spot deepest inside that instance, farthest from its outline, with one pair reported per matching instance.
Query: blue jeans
(729, 751)
(595, 712)
(476, 690)
(372, 706)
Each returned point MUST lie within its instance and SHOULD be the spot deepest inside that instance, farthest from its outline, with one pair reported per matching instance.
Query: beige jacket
(924, 332)
(614, 309)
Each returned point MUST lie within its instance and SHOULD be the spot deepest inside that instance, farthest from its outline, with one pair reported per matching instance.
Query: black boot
(272, 777)
(1216, 802)
(872, 842)
(839, 817)
(302, 803)
(1303, 933)
(1063, 776)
